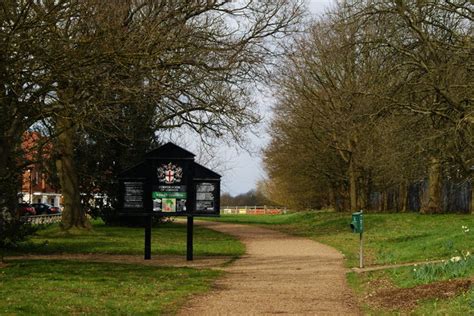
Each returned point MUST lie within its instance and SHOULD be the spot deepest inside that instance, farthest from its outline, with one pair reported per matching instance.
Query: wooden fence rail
(253, 210)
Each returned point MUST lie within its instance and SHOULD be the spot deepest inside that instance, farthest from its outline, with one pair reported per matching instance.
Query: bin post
(357, 226)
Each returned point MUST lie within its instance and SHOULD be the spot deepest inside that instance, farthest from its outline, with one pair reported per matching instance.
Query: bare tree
(430, 46)
(193, 64)
(25, 83)
(324, 93)
(376, 95)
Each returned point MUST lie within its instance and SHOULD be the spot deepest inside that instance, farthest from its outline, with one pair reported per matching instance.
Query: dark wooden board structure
(169, 183)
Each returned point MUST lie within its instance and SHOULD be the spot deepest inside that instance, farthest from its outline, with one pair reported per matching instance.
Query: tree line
(254, 197)
(375, 108)
(102, 80)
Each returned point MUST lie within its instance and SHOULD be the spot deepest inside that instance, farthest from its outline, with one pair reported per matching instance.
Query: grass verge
(39, 287)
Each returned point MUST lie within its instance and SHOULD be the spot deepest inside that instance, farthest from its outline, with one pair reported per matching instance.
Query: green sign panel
(169, 195)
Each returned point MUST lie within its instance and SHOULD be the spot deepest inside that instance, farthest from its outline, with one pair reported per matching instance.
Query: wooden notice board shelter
(169, 183)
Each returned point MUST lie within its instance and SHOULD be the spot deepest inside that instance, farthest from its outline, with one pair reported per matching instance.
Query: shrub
(12, 231)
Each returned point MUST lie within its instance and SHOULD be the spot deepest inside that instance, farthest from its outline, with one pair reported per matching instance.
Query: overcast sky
(245, 170)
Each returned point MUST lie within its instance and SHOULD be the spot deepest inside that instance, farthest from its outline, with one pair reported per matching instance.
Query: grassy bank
(388, 238)
(40, 287)
(435, 289)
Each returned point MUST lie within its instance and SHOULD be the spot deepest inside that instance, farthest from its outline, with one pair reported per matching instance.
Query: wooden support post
(148, 222)
(189, 244)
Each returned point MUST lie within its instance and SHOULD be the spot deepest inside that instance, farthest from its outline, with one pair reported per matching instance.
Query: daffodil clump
(455, 267)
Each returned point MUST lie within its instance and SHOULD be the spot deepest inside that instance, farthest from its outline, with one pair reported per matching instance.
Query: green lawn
(40, 287)
(58, 287)
(167, 238)
(106, 288)
(391, 239)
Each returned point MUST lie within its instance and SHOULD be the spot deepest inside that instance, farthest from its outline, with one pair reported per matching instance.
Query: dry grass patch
(407, 299)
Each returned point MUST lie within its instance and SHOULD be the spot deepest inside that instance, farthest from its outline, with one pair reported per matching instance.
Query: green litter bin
(357, 223)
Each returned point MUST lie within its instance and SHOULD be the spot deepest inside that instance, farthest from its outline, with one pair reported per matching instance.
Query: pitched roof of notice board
(203, 173)
(136, 171)
(170, 150)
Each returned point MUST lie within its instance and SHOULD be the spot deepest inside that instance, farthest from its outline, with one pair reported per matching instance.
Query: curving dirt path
(279, 274)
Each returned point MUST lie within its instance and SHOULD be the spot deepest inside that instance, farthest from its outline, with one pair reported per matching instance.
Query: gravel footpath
(279, 274)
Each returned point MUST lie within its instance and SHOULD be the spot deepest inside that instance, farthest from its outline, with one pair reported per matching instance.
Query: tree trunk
(73, 214)
(384, 202)
(333, 199)
(9, 178)
(363, 192)
(434, 204)
(403, 196)
(352, 185)
(472, 196)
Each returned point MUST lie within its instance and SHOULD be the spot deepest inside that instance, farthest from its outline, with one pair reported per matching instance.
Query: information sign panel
(207, 187)
(205, 198)
(171, 190)
(132, 195)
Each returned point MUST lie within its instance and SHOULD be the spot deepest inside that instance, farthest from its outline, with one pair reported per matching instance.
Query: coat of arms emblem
(169, 173)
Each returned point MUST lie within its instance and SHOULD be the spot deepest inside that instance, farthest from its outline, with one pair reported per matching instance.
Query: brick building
(35, 186)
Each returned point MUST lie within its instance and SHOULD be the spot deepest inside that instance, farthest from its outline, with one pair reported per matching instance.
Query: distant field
(435, 289)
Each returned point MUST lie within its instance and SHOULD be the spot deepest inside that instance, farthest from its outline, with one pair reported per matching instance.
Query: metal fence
(43, 219)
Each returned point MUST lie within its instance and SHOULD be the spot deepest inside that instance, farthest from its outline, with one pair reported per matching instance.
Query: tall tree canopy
(86, 68)
(375, 96)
